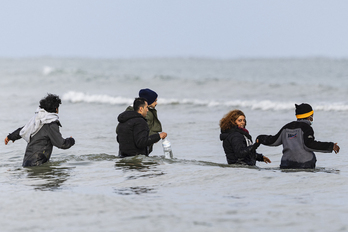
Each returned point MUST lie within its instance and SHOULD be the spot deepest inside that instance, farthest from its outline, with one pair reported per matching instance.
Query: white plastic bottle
(167, 149)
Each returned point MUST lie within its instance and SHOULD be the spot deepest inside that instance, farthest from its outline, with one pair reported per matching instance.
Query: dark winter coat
(235, 146)
(133, 134)
(40, 147)
(298, 144)
(155, 125)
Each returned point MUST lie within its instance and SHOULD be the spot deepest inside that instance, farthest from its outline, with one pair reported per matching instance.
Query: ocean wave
(47, 70)
(50, 71)
(76, 97)
(266, 105)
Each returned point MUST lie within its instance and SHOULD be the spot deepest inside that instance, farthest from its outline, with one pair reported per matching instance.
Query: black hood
(225, 134)
(125, 116)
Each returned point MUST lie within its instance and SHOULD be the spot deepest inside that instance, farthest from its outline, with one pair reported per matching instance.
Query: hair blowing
(50, 103)
(229, 120)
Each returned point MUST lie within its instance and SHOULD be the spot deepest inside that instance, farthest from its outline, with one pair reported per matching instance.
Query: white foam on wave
(265, 105)
(95, 98)
(47, 70)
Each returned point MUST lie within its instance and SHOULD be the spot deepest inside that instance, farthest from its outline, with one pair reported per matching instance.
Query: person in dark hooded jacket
(133, 131)
(154, 123)
(237, 142)
(42, 133)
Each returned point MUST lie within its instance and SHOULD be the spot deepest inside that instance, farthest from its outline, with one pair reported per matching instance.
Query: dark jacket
(133, 134)
(236, 149)
(298, 144)
(155, 125)
(40, 147)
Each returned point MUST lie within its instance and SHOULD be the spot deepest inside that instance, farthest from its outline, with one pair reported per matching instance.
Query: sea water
(87, 188)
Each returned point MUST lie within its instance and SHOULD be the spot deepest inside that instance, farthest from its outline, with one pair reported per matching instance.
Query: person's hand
(266, 160)
(163, 135)
(6, 140)
(336, 148)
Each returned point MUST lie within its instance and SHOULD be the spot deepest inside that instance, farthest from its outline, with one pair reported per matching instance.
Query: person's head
(232, 119)
(140, 105)
(304, 111)
(50, 103)
(150, 96)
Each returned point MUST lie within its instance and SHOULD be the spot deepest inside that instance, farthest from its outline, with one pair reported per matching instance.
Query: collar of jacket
(304, 120)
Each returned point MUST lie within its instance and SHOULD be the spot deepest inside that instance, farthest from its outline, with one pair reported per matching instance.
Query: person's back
(133, 131)
(40, 147)
(298, 141)
(297, 148)
(153, 122)
(42, 133)
(132, 134)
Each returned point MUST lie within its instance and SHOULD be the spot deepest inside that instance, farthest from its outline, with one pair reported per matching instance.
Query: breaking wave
(76, 97)
(266, 105)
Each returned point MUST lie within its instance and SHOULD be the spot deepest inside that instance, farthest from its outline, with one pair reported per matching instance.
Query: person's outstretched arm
(270, 140)
(312, 145)
(142, 138)
(13, 136)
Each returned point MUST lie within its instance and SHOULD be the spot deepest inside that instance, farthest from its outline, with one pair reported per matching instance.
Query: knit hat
(149, 95)
(303, 111)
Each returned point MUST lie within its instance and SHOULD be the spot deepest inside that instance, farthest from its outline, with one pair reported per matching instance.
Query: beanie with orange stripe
(303, 111)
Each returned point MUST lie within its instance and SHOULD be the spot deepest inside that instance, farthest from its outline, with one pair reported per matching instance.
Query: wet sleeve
(153, 139)
(259, 157)
(57, 139)
(142, 138)
(312, 145)
(15, 135)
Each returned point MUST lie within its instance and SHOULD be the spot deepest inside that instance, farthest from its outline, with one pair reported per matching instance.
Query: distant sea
(88, 188)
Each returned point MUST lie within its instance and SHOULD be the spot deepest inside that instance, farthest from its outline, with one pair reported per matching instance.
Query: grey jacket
(40, 147)
(298, 144)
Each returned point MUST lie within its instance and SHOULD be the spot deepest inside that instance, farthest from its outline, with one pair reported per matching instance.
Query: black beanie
(149, 95)
(303, 111)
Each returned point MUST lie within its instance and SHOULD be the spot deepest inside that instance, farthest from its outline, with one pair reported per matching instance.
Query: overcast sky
(174, 28)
